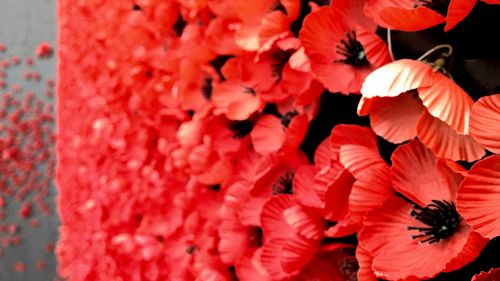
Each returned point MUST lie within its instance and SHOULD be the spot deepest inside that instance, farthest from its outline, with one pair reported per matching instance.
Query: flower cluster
(195, 142)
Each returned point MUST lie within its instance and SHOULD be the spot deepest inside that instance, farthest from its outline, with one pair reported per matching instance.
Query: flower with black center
(342, 46)
(419, 233)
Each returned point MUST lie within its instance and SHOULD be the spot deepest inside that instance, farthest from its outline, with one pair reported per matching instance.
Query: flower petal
(445, 142)
(484, 121)
(358, 159)
(365, 271)
(305, 222)
(457, 11)
(395, 119)
(304, 187)
(416, 19)
(479, 195)
(268, 135)
(370, 191)
(396, 78)
(448, 102)
(351, 134)
(492, 275)
(272, 218)
(415, 174)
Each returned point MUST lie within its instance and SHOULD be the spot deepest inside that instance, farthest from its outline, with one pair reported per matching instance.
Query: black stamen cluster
(440, 6)
(287, 118)
(284, 184)
(441, 217)
(352, 50)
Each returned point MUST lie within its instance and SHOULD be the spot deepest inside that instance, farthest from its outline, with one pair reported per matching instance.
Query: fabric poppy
(422, 226)
(357, 51)
(484, 118)
(408, 16)
(435, 109)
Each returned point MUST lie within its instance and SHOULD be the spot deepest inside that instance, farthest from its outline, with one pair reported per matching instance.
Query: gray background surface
(23, 25)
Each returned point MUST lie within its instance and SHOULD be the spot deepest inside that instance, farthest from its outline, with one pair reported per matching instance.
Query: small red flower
(484, 120)
(408, 98)
(409, 15)
(342, 46)
(422, 227)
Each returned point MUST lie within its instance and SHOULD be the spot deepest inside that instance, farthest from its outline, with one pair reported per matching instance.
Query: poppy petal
(323, 154)
(445, 142)
(295, 133)
(376, 49)
(415, 174)
(243, 108)
(396, 78)
(271, 259)
(396, 256)
(358, 159)
(336, 200)
(320, 270)
(479, 195)
(297, 252)
(492, 275)
(448, 102)
(304, 187)
(484, 121)
(475, 244)
(268, 135)
(395, 119)
(416, 19)
(306, 223)
(272, 217)
(492, 1)
(351, 134)
(365, 271)
(457, 11)
(370, 191)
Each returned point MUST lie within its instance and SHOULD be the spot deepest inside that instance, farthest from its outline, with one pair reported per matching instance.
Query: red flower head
(421, 227)
(341, 183)
(478, 197)
(411, 15)
(408, 98)
(484, 120)
(492, 275)
(342, 46)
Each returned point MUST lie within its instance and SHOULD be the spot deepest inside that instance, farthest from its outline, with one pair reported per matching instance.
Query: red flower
(492, 275)
(428, 235)
(342, 46)
(408, 98)
(232, 97)
(484, 120)
(411, 15)
(478, 196)
(348, 179)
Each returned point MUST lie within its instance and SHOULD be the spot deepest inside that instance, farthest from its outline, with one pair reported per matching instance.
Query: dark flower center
(179, 26)
(440, 6)
(240, 128)
(441, 218)
(279, 60)
(136, 7)
(278, 6)
(352, 50)
(255, 235)
(207, 88)
(191, 249)
(250, 91)
(287, 118)
(284, 184)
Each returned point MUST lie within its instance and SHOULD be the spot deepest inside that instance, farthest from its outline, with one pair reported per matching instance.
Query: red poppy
(342, 46)
(342, 182)
(423, 230)
(293, 234)
(231, 97)
(408, 98)
(410, 16)
(484, 120)
(492, 275)
(477, 197)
